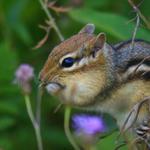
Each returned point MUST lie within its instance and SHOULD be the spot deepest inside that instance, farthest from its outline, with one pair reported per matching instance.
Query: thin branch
(57, 108)
(134, 141)
(136, 108)
(135, 31)
(134, 115)
(57, 9)
(120, 146)
(131, 20)
(45, 38)
(139, 13)
(51, 19)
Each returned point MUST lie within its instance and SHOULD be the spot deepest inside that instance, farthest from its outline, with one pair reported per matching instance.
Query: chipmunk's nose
(42, 81)
(51, 87)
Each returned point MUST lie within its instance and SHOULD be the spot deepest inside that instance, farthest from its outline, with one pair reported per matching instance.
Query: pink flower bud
(23, 75)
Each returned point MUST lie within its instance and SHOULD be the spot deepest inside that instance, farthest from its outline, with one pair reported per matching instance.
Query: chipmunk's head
(76, 69)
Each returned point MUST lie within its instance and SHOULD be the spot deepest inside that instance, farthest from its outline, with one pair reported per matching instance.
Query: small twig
(43, 27)
(126, 121)
(131, 20)
(41, 42)
(134, 141)
(57, 9)
(58, 107)
(136, 109)
(135, 31)
(67, 129)
(51, 19)
(120, 146)
(139, 13)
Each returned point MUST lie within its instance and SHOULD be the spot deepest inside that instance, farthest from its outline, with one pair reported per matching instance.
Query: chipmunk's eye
(68, 62)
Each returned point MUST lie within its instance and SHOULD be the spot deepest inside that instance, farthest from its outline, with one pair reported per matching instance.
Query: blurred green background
(19, 33)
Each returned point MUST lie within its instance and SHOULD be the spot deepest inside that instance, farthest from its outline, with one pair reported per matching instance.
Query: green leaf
(8, 65)
(6, 122)
(52, 135)
(95, 4)
(9, 107)
(14, 20)
(5, 143)
(22, 32)
(110, 142)
(112, 24)
(8, 62)
(8, 87)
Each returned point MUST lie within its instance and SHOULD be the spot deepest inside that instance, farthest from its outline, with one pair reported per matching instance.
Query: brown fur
(96, 85)
(68, 46)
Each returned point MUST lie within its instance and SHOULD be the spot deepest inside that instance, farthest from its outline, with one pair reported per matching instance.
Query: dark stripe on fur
(118, 46)
(136, 62)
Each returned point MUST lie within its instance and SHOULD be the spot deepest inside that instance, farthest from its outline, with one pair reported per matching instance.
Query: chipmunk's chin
(73, 94)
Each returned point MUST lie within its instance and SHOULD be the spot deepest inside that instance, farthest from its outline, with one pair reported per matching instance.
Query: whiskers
(57, 108)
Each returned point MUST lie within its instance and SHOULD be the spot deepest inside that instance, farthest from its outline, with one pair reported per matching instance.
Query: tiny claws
(143, 132)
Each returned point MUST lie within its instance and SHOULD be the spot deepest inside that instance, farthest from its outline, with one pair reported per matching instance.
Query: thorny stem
(34, 122)
(67, 129)
(51, 20)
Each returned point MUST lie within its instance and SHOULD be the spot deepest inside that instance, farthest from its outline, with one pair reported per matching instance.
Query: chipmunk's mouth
(54, 87)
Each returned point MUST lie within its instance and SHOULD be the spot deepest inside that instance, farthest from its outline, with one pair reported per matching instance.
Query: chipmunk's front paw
(143, 132)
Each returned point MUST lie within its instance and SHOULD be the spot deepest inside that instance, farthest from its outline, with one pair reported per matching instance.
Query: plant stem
(38, 106)
(135, 31)
(139, 13)
(34, 122)
(67, 129)
(38, 137)
(51, 19)
(90, 147)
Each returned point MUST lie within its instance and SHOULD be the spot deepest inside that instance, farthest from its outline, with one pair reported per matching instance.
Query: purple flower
(23, 75)
(88, 124)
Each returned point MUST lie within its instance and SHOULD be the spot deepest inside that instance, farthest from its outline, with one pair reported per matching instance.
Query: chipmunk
(87, 72)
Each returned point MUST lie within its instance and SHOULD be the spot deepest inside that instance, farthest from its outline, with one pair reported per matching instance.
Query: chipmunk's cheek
(53, 88)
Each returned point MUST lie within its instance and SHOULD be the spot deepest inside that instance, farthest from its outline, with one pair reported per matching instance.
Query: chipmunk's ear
(93, 46)
(89, 29)
(100, 41)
